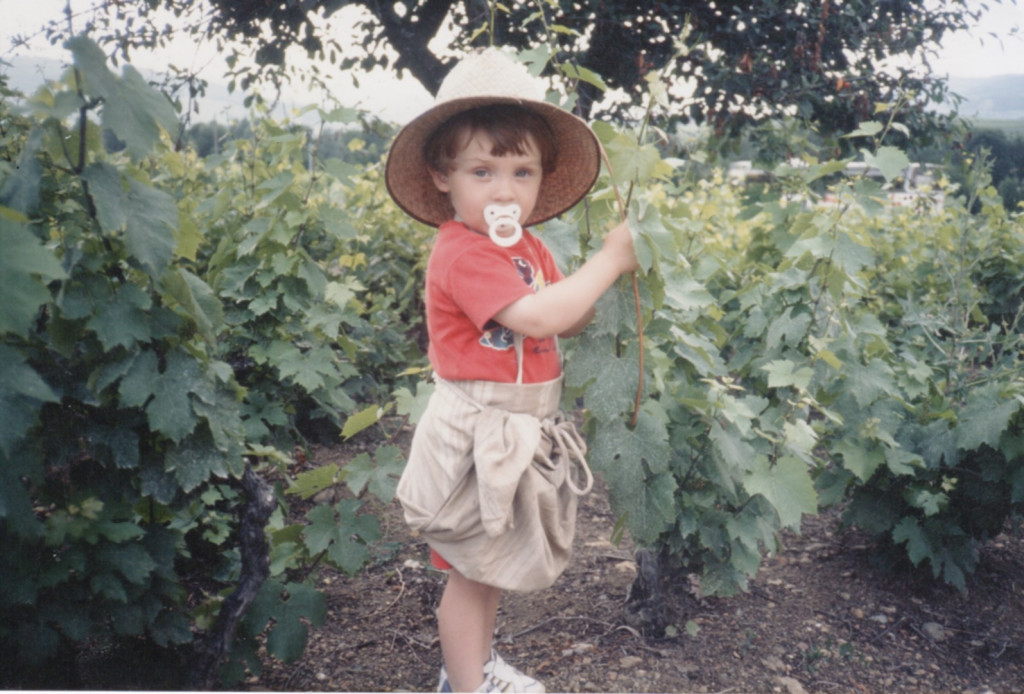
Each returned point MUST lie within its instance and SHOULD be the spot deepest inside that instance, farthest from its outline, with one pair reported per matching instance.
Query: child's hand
(619, 246)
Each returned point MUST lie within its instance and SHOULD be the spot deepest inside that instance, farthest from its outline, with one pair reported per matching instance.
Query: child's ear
(440, 181)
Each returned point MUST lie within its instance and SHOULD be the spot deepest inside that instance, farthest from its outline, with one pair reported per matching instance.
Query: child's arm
(565, 308)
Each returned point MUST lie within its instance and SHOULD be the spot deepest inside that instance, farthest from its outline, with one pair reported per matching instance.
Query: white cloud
(995, 47)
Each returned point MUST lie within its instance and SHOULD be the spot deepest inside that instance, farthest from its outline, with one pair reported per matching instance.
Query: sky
(379, 92)
(996, 47)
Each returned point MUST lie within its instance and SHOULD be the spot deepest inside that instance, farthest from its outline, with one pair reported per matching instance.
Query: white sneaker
(499, 676)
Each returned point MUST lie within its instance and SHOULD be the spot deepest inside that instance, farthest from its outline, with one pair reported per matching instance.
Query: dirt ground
(819, 617)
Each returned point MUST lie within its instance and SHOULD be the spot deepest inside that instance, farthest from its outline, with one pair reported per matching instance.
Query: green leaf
(170, 411)
(891, 161)
(928, 501)
(858, 458)
(198, 301)
(342, 534)
(787, 485)
(273, 188)
(132, 110)
(411, 405)
(148, 217)
(869, 382)
(139, 381)
(910, 532)
(684, 292)
(901, 461)
(287, 639)
(616, 445)
(120, 531)
(109, 586)
(224, 419)
(16, 507)
(25, 268)
(362, 420)
(19, 378)
(130, 560)
(169, 629)
(612, 380)
(697, 349)
(306, 369)
(649, 519)
(791, 327)
(646, 503)
(123, 320)
(19, 193)
(312, 482)
(800, 439)
(868, 128)
(782, 373)
(158, 485)
(380, 474)
(194, 461)
(736, 452)
(576, 72)
(632, 162)
(984, 419)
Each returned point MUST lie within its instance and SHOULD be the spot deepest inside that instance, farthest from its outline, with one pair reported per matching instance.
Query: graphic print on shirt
(497, 336)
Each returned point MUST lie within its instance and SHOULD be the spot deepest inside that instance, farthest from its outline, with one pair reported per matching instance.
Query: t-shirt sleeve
(482, 281)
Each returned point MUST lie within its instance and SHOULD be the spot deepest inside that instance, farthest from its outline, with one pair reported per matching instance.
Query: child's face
(478, 178)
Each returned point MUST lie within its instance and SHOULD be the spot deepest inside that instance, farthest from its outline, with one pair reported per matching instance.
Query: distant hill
(26, 73)
(990, 98)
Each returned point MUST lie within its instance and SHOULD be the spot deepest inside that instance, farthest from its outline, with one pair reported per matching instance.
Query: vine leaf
(312, 482)
(148, 217)
(985, 418)
(198, 300)
(341, 533)
(647, 442)
(194, 461)
(25, 266)
(891, 161)
(287, 640)
(123, 320)
(132, 110)
(612, 380)
(909, 531)
(656, 512)
(379, 474)
(646, 500)
(290, 606)
(781, 374)
(787, 485)
(170, 411)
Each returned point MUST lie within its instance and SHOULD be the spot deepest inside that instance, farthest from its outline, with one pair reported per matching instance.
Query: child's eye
(481, 173)
(524, 173)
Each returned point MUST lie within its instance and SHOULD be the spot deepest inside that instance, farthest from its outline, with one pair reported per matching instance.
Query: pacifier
(503, 224)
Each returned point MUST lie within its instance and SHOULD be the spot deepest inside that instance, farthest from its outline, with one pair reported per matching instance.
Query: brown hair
(509, 127)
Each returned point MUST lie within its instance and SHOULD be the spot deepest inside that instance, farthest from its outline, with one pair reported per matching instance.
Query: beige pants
(489, 485)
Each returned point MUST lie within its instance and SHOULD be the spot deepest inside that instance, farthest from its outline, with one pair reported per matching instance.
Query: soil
(820, 616)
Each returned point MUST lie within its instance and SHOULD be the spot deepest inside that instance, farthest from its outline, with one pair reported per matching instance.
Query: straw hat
(482, 78)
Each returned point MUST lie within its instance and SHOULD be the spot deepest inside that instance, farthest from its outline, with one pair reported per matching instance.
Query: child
(488, 483)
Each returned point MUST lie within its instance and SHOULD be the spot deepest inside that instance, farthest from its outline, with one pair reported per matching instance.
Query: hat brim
(411, 186)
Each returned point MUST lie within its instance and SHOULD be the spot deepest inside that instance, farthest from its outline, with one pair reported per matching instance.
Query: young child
(488, 483)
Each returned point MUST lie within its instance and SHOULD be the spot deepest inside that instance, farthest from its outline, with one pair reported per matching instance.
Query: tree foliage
(744, 60)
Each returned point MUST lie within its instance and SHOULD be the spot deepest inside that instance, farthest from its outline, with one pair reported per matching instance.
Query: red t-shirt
(470, 279)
